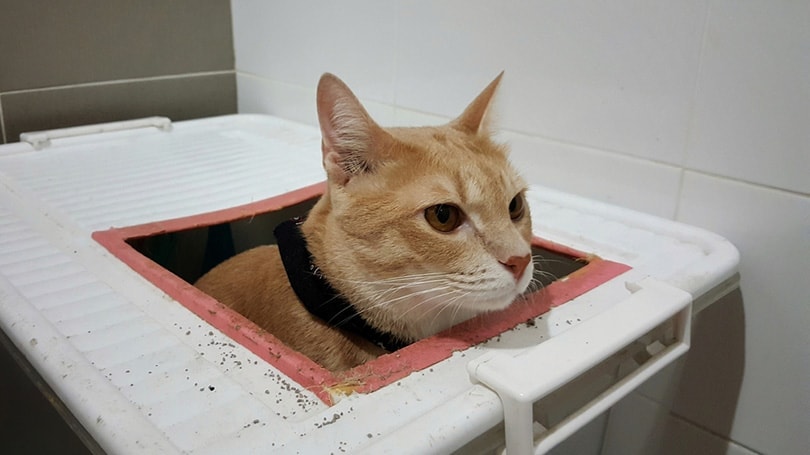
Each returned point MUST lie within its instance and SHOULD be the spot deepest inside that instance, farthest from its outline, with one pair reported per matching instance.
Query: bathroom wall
(90, 61)
(698, 111)
(87, 61)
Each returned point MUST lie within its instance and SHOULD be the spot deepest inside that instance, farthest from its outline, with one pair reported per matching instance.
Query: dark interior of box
(190, 253)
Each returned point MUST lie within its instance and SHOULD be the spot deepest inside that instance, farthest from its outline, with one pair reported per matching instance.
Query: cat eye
(517, 207)
(443, 217)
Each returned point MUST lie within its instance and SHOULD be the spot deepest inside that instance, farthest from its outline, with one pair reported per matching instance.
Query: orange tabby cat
(419, 229)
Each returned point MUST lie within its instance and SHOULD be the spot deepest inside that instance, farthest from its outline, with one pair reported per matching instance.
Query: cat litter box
(103, 227)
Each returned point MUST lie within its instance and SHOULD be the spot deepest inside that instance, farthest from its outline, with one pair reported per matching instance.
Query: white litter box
(100, 225)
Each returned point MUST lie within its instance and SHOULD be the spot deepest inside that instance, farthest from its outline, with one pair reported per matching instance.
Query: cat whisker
(544, 260)
(443, 304)
(442, 307)
(457, 307)
(534, 285)
(382, 301)
(382, 298)
(444, 291)
(546, 274)
(441, 293)
(394, 280)
(542, 274)
(333, 318)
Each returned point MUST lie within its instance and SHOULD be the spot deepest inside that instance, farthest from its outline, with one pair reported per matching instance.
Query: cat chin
(426, 313)
(486, 305)
(500, 298)
(431, 323)
(497, 298)
(495, 301)
(420, 311)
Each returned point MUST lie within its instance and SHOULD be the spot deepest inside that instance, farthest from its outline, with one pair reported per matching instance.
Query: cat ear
(350, 138)
(474, 118)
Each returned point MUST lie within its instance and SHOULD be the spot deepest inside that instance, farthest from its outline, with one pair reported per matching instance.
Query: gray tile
(45, 43)
(177, 98)
(29, 421)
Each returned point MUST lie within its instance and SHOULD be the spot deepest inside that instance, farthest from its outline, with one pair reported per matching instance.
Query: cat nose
(517, 265)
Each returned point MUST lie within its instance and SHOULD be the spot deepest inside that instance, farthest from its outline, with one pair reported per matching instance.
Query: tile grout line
(119, 81)
(711, 432)
(681, 177)
(588, 147)
(683, 169)
(306, 88)
(676, 416)
(696, 88)
(765, 186)
(395, 76)
(692, 103)
(2, 123)
(273, 81)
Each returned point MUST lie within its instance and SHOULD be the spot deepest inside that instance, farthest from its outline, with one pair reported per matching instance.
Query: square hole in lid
(174, 253)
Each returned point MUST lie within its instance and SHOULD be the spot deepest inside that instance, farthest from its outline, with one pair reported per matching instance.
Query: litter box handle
(42, 139)
(522, 379)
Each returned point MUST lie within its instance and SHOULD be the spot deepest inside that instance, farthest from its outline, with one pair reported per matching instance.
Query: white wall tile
(592, 92)
(256, 95)
(639, 426)
(752, 112)
(616, 179)
(586, 441)
(712, 371)
(295, 42)
(617, 76)
(771, 229)
(710, 376)
(409, 117)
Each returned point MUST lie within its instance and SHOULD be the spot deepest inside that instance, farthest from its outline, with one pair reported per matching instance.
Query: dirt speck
(326, 421)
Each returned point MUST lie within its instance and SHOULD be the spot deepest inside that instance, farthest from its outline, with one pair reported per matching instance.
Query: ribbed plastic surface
(166, 175)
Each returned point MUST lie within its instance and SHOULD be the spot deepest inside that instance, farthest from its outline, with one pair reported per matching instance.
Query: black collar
(316, 294)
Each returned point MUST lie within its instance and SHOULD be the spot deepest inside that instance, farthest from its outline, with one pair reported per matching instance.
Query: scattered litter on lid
(294, 397)
(335, 418)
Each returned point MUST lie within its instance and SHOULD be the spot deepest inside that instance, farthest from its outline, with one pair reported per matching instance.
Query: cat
(418, 229)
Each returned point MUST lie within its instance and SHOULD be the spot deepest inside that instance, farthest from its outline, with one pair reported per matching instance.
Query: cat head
(420, 228)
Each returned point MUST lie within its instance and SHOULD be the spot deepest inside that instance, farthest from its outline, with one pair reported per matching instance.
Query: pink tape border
(372, 375)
